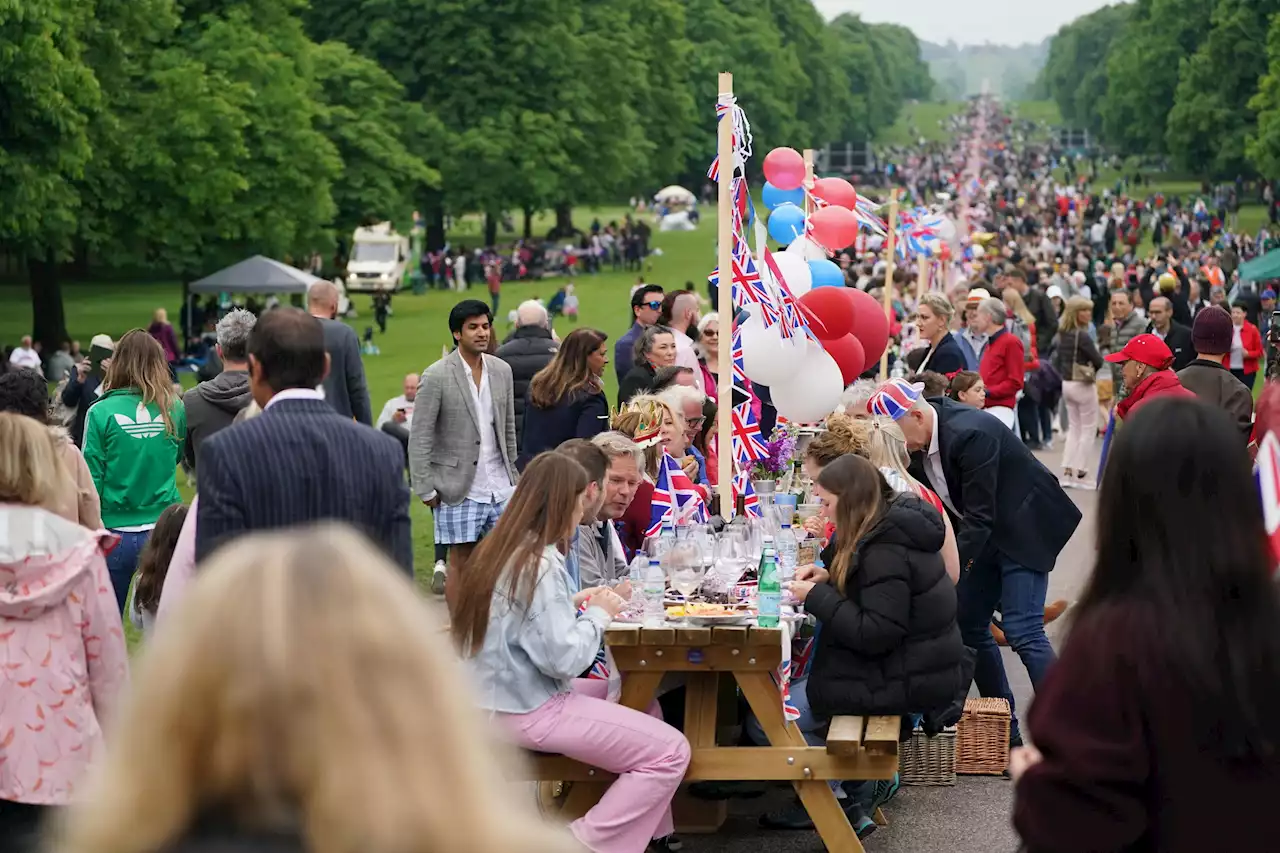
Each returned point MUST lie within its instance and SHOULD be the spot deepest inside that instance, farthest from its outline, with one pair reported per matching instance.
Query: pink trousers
(649, 756)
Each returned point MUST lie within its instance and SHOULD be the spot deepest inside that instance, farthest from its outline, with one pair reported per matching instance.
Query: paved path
(972, 817)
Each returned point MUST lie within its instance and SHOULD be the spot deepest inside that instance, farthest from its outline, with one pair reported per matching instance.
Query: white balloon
(812, 391)
(766, 357)
(795, 270)
(807, 249)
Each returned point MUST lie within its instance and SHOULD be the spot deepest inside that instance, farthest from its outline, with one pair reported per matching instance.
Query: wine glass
(685, 569)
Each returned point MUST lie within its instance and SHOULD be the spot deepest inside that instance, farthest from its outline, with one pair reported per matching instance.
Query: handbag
(1081, 372)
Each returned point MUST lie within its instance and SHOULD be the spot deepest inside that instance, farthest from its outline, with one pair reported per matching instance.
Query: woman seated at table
(517, 624)
(654, 426)
(888, 642)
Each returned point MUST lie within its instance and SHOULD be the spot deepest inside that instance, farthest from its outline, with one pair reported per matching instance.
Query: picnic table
(858, 748)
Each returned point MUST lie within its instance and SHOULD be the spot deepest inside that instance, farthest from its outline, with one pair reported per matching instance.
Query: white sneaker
(438, 578)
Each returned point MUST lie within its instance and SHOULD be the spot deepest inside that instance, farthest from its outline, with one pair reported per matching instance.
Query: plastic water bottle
(635, 574)
(899, 370)
(655, 592)
(769, 597)
(788, 553)
(666, 537)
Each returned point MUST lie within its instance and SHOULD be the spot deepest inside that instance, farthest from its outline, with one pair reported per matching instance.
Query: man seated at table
(598, 551)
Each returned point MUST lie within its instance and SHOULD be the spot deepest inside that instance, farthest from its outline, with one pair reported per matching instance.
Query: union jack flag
(672, 491)
(747, 443)
(722, 110)
(739, 361)
(1267, 472)
(742, 486)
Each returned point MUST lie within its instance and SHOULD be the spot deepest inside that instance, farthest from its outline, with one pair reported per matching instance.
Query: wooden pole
(889, 270)
(922, 276)
(808, 181)
(724, 228)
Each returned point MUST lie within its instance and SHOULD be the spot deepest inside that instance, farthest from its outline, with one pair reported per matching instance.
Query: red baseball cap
(1144, 349)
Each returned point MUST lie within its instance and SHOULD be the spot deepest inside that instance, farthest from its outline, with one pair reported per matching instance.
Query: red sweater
(1002, 369)
(1251, 340)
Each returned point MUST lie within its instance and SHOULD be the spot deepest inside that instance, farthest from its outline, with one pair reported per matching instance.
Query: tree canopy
(1195, 81)
(174, 136)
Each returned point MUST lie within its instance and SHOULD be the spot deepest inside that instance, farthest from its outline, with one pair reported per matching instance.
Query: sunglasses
(655, 306)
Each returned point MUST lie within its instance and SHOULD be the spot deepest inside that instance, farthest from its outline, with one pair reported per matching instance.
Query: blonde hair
(844, 434)
(639, 412)
(887, 448)
(1014, 300)
(1074, 306)
(303, 684)
(938, 304)
(138, 363)
(160, 316)
(31, 469)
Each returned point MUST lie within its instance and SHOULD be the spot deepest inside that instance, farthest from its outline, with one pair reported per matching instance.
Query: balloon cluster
(807, 377)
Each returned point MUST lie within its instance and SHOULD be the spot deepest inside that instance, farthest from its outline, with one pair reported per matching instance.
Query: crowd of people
(278, 610)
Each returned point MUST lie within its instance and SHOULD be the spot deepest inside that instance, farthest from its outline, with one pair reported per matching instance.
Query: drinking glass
(685, 568)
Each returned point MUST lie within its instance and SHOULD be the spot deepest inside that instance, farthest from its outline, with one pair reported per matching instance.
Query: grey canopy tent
(255, 275)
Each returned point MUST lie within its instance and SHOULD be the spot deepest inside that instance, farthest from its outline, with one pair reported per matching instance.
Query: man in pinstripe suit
(300, 461)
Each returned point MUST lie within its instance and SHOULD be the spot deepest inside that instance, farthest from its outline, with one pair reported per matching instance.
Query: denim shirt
(531, 653)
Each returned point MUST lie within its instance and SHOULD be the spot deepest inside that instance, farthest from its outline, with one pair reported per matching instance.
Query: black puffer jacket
(528, 350)
(891, 646)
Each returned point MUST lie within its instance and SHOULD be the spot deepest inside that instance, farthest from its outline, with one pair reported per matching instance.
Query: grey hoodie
(211, 406)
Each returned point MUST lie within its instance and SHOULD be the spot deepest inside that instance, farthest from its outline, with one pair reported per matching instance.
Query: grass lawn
(920, 119)
(418, 330)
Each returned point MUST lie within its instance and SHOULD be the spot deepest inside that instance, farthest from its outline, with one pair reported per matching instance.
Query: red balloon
(870, 325)
(784, 168)
(836, 191)
(834, 309)
(834, 227)
(848, 354)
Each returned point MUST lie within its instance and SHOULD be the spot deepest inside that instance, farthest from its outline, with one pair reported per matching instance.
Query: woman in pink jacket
(62, 653)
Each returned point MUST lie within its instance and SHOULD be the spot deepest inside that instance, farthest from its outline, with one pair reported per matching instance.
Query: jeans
(1246, 378)
(1020, 592)
(649, 756)
(21, 825)
(814, 731)
(1035, 421)
(123, 561)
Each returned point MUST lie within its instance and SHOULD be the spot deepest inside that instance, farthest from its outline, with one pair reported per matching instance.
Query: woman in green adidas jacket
(133, 437)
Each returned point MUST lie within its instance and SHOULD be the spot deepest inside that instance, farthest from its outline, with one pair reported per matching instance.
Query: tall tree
(1142, 71)
(1210, 120)
(1074, 75)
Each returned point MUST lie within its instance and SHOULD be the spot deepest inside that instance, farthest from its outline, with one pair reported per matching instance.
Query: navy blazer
(300, 462)
(947, 356)
(1006, 499)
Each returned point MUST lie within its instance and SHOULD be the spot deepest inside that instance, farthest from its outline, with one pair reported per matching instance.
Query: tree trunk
(564, 221)
(49, 321)
(433, 207)
(490, 229)
(528, 223)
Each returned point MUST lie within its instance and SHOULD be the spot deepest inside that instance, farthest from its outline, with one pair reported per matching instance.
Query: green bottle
(769, 595)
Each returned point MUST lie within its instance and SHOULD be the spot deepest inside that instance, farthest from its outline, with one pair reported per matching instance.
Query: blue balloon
(826, 273)
(786, 223)
(774, 197)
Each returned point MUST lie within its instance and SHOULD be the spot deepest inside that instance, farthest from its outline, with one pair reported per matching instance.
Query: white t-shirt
(1237, 350)
(25, 357)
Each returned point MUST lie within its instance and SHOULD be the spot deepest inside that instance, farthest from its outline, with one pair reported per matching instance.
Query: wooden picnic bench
(858, 748)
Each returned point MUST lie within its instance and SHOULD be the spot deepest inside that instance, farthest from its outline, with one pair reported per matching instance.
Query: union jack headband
(894, 398)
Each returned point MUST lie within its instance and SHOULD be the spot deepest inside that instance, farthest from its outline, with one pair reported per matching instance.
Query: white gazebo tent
(255, 275)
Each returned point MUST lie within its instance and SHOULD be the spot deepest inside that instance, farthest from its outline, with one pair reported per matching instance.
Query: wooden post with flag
(890, 268)
(724, 348)
(808, 181)
(922, 276)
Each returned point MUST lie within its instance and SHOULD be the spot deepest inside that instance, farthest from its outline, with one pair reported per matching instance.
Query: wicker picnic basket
(982, 738)
(924, 760)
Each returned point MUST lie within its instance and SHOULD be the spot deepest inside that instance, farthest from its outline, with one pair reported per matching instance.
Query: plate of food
(705, 614)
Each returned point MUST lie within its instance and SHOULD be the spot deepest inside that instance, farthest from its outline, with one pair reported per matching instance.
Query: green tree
(1263, 146)
(1142, 71)
(1210, 122)
(50, 95)
(380, 137)
(1074, 75)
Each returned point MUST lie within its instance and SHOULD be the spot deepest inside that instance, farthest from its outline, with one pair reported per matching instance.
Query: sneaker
(1048, 445)
(437, 578)
(864, 826)
(791, 817)
(886, 790)
(666, 844)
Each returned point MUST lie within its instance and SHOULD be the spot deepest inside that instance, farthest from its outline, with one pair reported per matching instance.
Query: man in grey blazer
(462, 445)
(344, 388)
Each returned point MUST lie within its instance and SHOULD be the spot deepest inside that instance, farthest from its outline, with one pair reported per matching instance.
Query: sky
(973, 22)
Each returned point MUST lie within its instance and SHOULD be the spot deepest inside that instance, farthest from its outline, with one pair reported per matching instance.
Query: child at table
(516, 623)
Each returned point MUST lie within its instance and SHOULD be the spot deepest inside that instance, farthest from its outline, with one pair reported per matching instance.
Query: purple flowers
(780, 449)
